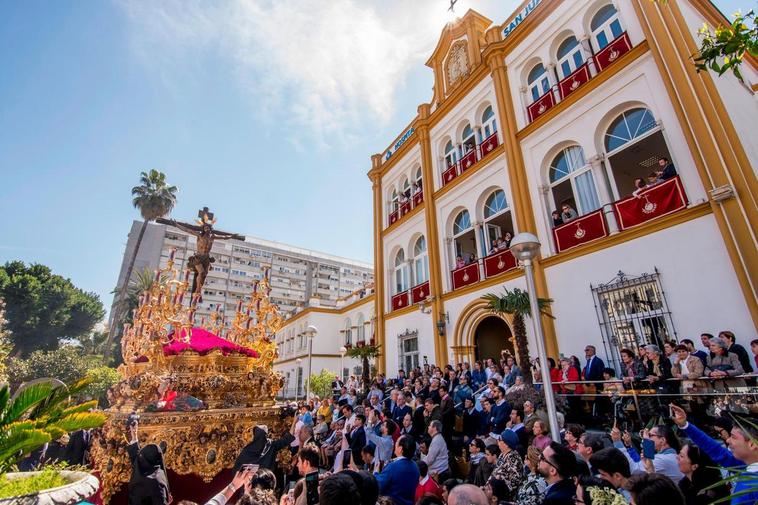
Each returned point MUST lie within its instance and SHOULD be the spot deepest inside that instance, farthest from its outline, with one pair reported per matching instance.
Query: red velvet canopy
(202, 341)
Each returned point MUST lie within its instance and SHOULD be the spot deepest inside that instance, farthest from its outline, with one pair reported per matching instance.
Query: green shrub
(102, 377)
(48, 478)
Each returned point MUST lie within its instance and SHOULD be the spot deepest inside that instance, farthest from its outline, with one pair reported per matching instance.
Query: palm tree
(364, 352)
(39, 413)
(516, 304)
(154, 198)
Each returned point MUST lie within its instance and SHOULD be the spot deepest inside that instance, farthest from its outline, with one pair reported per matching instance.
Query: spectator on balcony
(495, 247)
(688, 368)
(593, 370)
(459, 262)
(639, 185)
(416, 188)
(633, 369)
(568, 213)
(470, 259)
(557, 219)
(569, 374)
(705, 339)
(690, 345)
(737, 349)
(668, 171)
(403, 199)
(724, 364)
(669, 351)
(507, 240)
(754, 348)
(658, 368)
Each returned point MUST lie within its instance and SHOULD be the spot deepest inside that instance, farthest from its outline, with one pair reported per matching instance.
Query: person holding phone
(239, 480)
(306, 489)
(148, 482)
(262, 449)
(660, 447)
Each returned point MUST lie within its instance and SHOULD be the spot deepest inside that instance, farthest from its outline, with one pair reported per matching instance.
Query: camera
(287, 411)
(132, 420)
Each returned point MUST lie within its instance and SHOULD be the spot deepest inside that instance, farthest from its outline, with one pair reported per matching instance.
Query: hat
(510, 438)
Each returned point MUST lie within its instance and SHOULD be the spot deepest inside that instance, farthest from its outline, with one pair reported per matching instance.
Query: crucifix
(452, 5)
(200, 262)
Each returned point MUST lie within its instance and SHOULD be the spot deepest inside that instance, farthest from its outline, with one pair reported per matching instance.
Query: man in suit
(356, 439)
(593, 370)
(501, 411)
(558, 465)
(447, 413)
(472, 421)
(516, 425)
(400, 409)
(399, 479)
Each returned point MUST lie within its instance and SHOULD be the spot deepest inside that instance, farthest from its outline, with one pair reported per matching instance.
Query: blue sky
(265, 111)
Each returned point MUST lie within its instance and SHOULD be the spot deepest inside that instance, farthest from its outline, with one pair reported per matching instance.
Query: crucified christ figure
(201, 261)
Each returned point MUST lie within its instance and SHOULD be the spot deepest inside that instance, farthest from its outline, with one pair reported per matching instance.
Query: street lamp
(310, 332)
(525, 247)
(297, 383)
(343, 351)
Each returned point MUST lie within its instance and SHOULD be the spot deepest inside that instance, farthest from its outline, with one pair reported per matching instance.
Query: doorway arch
(491, 336)
(465, 337)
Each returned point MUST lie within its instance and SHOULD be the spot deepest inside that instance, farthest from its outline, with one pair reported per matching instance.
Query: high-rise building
(298, 276)
(587, 124)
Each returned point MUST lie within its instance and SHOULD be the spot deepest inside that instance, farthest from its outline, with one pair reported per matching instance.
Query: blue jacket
(398, 480)
(594, 372)
(723, 457)
(478, 378)
(500, 415)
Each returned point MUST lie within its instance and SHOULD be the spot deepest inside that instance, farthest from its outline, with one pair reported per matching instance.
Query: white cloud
(328, 66)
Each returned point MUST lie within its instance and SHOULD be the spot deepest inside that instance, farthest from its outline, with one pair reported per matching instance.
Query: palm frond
(29, 398)
(82, 407)
(19, 442)
(5, 395)
(79, 421)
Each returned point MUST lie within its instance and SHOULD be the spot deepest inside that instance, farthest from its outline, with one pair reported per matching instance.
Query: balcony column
(589, 54)
(478, 133)
(459, 150)
(410, 276)
(450, 257)
(547, 202)
(552, 78)
(524, 103)
(479, 244)
(443, 167)
(603, 192)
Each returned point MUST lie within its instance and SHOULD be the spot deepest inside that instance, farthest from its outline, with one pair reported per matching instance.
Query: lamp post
(310, 332)
(297, 383)
(343, 351)
(525, 247)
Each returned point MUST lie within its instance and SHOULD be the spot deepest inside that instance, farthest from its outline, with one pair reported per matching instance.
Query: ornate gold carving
(457, 66)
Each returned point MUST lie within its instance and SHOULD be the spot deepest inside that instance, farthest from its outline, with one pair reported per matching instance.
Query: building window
(401, 272)
(420, 261)
(299, 378)
(605, 26)
(632, 312)
(394, 200)
(468, 139)
(464, 239)
(408, 350)
(634, 143)
(571, 181)
(348, 332)
(450, 156)
(489, 125)
(498, 222)
(569, 56)
(360, 329)
(537, 82)
(418, 180)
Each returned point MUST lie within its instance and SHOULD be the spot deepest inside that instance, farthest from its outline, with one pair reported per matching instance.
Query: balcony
(602, 60)
(649, 204)
(470, 159)
(420, 292)
(406, 207)
(400, 300)
(491, 266)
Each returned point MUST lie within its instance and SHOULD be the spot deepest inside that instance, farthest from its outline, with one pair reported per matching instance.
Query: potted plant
(37, 414)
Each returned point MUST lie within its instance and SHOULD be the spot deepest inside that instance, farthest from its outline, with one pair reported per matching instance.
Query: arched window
(360, 331)
(348, 332)
(394, 200)
(569, 56)
(450, 156)
(401, 273)
(571, 181)
(420, 261)
(418, 180)
(537, 82)
(498, 223)
(405, 189)
(628, 126)
(489, 125)
(605, 26)
(462, 223)
(468, 139)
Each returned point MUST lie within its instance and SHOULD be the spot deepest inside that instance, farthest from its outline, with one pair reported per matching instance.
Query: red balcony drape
(498, 263)
(465, 275)
(400, 300)
(489, 144)
(580, 231)
(651, 203)
(612, 52)
(420, 292)
(541, 106)
(574, 80)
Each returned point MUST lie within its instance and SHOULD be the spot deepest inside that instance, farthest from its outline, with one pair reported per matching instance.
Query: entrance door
(491, 337)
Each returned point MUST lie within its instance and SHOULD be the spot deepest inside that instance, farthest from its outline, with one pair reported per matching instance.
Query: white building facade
(299, 276)
(568, 103)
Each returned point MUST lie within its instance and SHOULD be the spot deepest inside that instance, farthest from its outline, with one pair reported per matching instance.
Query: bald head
(467, 494)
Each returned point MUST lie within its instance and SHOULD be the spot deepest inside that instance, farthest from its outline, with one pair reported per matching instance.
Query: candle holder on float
(199, 386)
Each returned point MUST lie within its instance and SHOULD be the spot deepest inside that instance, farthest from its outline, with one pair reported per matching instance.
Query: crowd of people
(479, 435)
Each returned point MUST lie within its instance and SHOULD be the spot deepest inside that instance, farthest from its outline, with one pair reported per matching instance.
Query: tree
(154, 198)
(5, 346)
(66, 364)
(516, 304)
(38, 414)
(321, 383)
(365, 352)
(43, 308)
(101, 379)
(724, 48)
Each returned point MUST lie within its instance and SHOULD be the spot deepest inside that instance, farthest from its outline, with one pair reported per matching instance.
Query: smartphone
(648, 448)
(311, 488)
(253, 468)
(346, 456)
